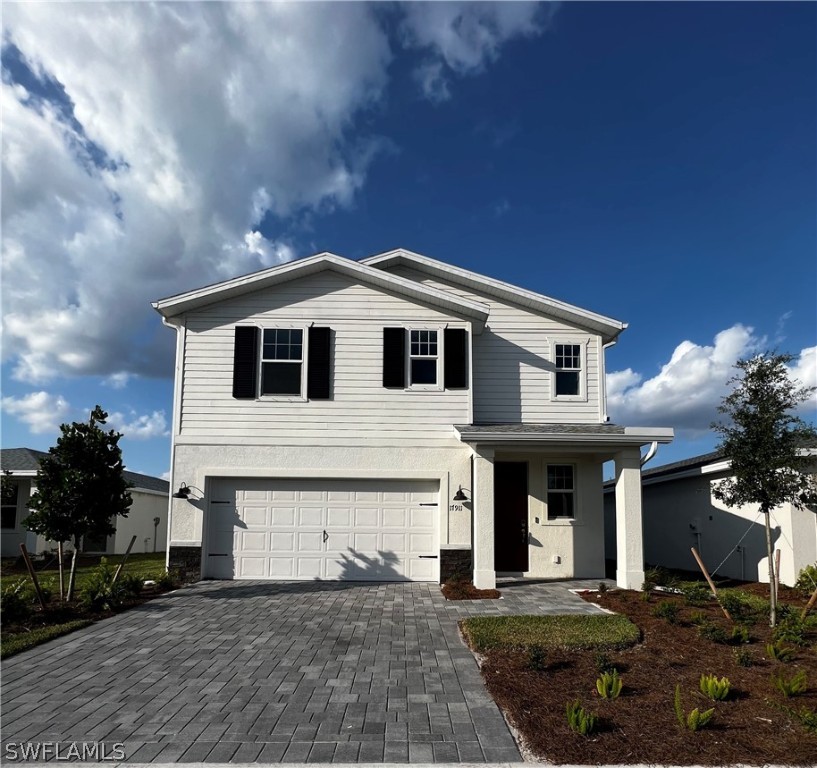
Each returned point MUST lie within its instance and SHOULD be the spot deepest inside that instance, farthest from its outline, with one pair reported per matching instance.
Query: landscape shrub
(791, 628)
(743, 658)
(714, 688)
(714, 633)
(100, 592)
(15, 602)
(537, 658)
(666, 610)
(661, 577)
(132, 584)
(740, 635)
(603, 662)
(807, 580)
(743, 607)
(579, 719)
(779, 651)
(695, 594)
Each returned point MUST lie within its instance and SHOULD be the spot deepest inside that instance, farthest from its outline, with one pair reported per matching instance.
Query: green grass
(25, 640)
(576, 632)
(145, 565)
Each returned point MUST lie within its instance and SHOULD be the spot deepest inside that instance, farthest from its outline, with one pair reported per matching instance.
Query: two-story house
(396, 418)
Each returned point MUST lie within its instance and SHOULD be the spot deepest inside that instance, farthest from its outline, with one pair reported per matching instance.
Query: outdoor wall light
(185, 490)
(460, 495)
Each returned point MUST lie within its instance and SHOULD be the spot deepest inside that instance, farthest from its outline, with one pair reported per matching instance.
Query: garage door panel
(306, 529)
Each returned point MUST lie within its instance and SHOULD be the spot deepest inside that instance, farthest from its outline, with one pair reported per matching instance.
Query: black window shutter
(456, 358)
(245, 362)
(394, 358)
(319, 367)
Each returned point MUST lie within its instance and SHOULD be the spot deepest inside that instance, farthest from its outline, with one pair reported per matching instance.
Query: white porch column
(629, 528)
(483, 506)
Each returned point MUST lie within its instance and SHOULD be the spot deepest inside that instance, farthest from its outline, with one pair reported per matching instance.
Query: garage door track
(270, 672)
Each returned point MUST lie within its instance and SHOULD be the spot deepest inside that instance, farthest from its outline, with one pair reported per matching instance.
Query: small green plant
(714, 633)
(603, 663)
(807, 717)
(167, 579)
(807, 580)
(695, 594)
(15, 603)
(790, 685)
(779, 651)
(740, 635)
(667, 611)
(714, 688)
(603, 588)
(696, 719)
(791, 629)
(743, 658)
(609, 685)
(537, 658)
(100, 592)
(579, 719)
(697, 618)
(645, 594)
(661, 577)
(132, 584)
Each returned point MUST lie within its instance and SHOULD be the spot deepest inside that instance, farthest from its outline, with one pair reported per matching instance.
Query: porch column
(629, 528)
(483, 505)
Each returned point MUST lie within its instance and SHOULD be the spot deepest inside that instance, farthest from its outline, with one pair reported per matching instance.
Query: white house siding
(361, 410)
(197, 464)
(564, 549)
(682, 513)
(146, 506)
(513, 362)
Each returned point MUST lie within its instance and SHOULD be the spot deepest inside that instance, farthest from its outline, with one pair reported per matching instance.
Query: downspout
(604, 415)
(653, 449)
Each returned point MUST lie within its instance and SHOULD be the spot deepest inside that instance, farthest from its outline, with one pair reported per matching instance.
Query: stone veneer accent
(187, 561)
(455, 563)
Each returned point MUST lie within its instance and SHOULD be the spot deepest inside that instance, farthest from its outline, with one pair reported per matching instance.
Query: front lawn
(535, 667)
(25, 624)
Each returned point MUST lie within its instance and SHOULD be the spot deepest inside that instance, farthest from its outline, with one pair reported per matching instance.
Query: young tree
(763, 439)
(80, 487)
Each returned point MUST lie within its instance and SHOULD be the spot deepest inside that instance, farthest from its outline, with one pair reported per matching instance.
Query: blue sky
(653, 162)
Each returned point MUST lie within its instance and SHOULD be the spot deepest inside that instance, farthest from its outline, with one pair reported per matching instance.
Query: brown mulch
(465, 590)
(641, 726)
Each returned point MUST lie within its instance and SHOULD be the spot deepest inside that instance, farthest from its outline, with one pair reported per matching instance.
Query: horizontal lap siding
(511, 379)
(360, 411)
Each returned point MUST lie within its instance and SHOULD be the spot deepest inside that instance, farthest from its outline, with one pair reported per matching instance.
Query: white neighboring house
(395, 418)
(680, 512)
(150, 495)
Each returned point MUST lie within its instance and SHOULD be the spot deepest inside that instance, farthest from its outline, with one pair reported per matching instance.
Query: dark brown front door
(511, 516)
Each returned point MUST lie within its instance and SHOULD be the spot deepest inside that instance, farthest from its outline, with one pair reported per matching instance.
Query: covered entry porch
(538, 499)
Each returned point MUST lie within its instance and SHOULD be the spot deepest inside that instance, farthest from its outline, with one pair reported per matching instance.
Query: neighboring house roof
(474, 433)
(606, 326)
(26, 461)
(266, 278)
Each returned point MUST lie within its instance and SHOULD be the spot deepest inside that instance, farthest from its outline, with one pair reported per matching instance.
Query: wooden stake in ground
(709, 581)
(72, 577)
(124, 560)
(62, 580)
(33, 574)
(809, 605)
(777, 575)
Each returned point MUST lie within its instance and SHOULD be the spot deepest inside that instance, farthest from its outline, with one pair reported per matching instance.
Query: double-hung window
(282, 361)
(561, 493)
(423, 358)
(568, 369)
(8, 515)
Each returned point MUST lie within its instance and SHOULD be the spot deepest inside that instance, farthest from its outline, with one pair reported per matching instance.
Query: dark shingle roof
(28, 460)
(533, 429)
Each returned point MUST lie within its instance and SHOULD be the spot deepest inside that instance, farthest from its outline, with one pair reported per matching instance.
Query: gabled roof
(608, 328)
(25, 462)
(184, 302)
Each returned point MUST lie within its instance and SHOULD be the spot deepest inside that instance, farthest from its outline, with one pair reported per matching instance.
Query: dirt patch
(465, 590)
(640, 726)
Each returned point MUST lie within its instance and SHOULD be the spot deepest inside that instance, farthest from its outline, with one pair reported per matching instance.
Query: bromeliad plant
(696, 719)
(609, 684)
(714, 688)
(792, 685)
(579, 719)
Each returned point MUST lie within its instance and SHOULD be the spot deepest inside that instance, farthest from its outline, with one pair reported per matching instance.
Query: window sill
(281, 399)
(567, 522)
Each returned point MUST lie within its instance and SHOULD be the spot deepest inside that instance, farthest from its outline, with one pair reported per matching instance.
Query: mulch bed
(465, 590)
(641, 725)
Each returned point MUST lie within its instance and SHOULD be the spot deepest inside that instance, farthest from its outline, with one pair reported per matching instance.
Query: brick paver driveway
(268, 672)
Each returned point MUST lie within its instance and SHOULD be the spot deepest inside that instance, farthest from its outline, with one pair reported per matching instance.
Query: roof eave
(631, 436)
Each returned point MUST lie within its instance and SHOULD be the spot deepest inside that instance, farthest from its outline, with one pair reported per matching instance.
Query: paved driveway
(269, 672)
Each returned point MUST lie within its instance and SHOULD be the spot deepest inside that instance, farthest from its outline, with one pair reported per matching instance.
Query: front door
(511, 516)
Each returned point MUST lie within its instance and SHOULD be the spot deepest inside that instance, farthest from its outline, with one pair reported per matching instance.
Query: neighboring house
(396, 418)
(680, 512)
(150, 501)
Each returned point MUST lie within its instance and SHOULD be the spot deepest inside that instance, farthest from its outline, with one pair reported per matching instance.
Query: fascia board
(607, 326)
(627, 439)
(175, 305)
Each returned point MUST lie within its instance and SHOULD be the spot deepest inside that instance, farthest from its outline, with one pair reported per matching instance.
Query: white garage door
(358, 530)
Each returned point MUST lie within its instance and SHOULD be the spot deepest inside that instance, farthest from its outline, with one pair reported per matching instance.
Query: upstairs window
(561, 491)
(568, 369)
(423, 358)
(282, 358)
(8, 513)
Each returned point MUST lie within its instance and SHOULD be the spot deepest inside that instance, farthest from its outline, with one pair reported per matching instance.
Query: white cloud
(687, 390)
(117, 380)
(136, 427)
(190, 125)
(165, 475)
(804, 371)
(41, 411)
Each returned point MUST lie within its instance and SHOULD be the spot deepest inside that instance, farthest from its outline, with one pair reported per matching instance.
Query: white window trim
(582, 343)
(438, 387)
(302, 398)
(566, 521)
